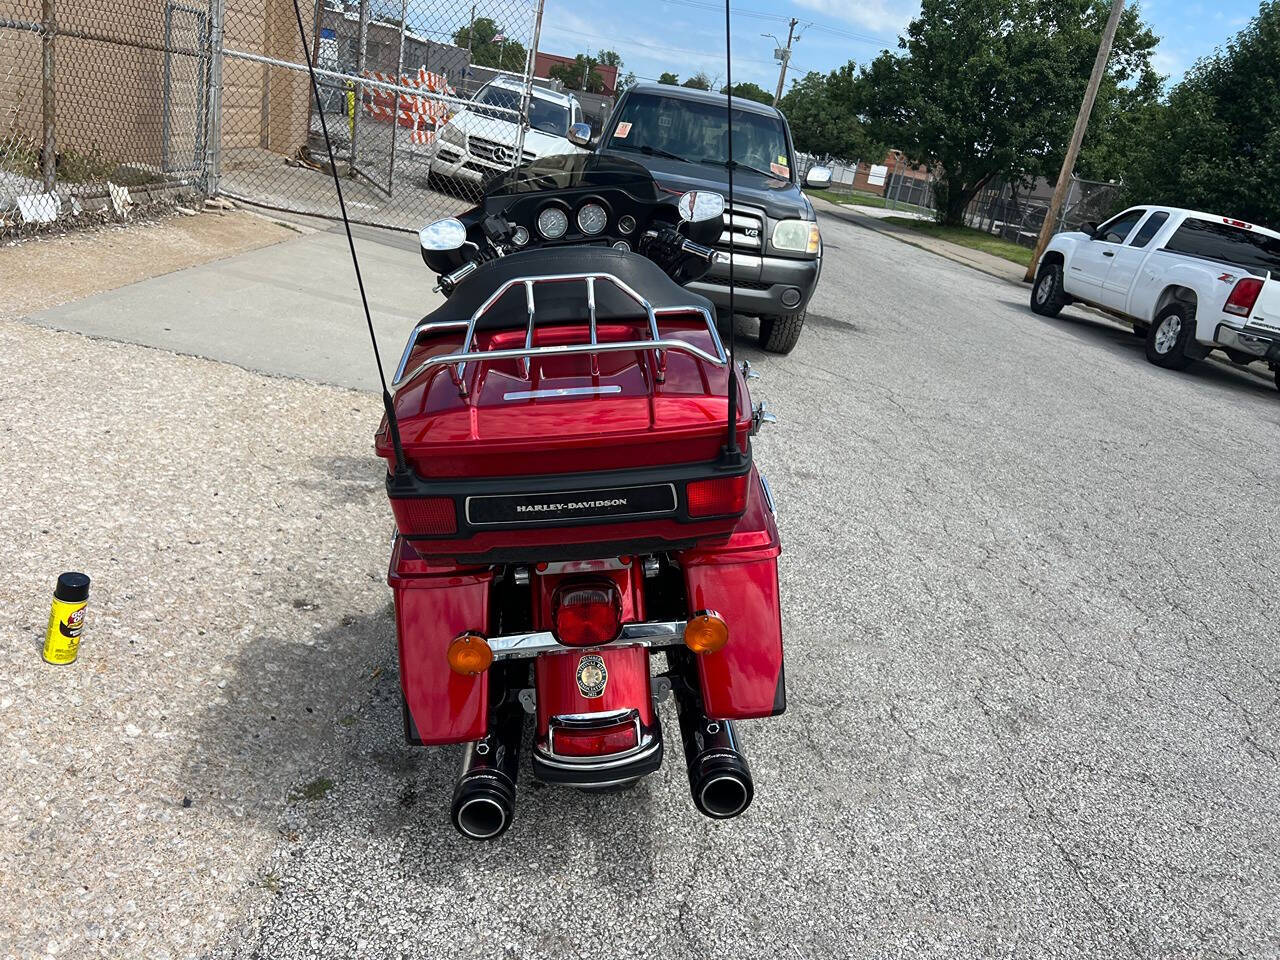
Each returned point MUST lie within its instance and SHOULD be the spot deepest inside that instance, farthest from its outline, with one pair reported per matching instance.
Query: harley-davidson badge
(592, 675)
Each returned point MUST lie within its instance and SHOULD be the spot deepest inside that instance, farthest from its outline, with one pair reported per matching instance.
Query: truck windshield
(545, 115)
(698, 132)
(1226, 244)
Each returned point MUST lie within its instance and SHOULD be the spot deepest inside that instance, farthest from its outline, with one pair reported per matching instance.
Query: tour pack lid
(72, 587)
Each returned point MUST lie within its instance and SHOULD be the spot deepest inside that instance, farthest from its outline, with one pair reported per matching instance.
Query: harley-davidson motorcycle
(581, 533)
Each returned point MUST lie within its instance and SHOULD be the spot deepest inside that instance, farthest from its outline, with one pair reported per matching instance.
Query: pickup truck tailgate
(1266, 309)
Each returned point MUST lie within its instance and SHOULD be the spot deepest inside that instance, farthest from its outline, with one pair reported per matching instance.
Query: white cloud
(889, 17)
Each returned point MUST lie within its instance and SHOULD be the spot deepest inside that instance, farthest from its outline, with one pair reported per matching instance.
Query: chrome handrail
(465, 355)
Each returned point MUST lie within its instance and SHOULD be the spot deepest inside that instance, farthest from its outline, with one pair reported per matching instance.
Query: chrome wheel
(1167, 333)
(1044, 289)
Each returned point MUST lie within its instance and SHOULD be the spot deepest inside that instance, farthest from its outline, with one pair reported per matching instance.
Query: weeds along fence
(100, 101)
(166, 97)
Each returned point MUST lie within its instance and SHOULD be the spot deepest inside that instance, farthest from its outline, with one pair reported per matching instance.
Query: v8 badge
(592, 675)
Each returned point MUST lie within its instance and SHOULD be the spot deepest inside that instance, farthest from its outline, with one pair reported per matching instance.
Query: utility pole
(471, 30)
(1077, 137)
(783, 54)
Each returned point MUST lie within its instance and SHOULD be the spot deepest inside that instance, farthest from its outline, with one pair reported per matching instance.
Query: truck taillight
(1244, 296)
(718, 497)
(586, 612)
(425, 516)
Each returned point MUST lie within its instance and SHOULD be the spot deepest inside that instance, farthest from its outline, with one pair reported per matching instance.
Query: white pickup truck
(1189, 282)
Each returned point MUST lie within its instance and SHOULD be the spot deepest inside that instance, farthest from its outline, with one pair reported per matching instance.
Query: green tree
(670, 79)
(579, 75)
(487, 50)
(626, 81)
(699, 81)
(823, 114)
(986, 89)
(1215, 144)
(610, 58)
(750, 91)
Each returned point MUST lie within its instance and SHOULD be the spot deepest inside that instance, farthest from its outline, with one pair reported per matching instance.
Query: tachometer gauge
(519, 236)
(592, 218)
(552, 223)
(627, 224)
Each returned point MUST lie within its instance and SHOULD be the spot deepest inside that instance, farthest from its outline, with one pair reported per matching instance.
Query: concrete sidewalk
(291, 308)
(874, 219)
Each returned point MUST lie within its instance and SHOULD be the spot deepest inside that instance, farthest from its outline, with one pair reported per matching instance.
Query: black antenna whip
(392, 423)
(732, 449)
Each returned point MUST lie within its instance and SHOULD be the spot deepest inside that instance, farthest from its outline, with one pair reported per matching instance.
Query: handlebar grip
(698, 250)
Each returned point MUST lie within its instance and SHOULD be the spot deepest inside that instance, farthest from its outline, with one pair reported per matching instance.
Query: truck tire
(1046, 295)
(780, 334)
(1170, 339)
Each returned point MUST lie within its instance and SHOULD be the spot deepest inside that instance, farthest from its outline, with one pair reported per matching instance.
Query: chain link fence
(422, 103)
(103, 105)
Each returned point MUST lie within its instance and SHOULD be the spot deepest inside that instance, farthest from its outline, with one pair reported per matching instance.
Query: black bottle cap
(72, 587)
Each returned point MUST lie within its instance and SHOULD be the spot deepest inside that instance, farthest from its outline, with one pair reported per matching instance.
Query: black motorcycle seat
(565, 302)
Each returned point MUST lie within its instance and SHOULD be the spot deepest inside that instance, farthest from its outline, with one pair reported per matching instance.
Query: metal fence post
(48, 95)
(357, 103)
(527, 93)
(395, 104)
(213, 103)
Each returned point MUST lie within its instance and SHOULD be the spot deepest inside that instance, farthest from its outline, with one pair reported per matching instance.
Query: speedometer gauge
(552, 223)
(592, 218)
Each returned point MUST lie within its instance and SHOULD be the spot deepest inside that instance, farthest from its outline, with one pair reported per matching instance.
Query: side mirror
(1090, 227)
(580, 134)
(446, 234)
(441, 243)
(699, 205)
(818, 178)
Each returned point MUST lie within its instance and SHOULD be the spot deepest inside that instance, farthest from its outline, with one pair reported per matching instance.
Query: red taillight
(719, 497)
(1244, 296)
(570, 742)
(587, 612)
(425, 516)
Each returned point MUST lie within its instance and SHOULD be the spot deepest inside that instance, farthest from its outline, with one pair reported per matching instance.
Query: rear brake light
(1243, 297)
(586, 612)
(570, 742)
(718, 497)
(425, 516)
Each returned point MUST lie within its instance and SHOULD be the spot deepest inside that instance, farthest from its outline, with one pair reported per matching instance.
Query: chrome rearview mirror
(579, 134)
(818, 178)
(699, 205)
(446, 234)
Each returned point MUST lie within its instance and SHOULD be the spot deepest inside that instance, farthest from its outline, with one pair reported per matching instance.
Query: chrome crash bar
(655, 342)
(522, 645)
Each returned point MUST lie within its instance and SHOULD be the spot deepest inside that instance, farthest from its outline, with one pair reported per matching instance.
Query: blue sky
(686, 36)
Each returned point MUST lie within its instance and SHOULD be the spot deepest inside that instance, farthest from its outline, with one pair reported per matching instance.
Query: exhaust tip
(724, 796)
(481, 818)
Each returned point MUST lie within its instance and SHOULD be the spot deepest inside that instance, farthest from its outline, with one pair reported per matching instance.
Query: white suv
(1190, 282)
(478, 142)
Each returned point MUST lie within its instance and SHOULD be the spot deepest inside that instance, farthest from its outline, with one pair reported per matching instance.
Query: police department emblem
(592, 675)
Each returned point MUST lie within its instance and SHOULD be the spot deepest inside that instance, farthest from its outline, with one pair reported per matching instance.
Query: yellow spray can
(66, 619)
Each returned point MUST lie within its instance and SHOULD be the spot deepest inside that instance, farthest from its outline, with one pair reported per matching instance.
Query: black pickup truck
(681, 136)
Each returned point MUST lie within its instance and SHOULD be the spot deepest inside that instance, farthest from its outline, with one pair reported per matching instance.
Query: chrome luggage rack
(458, 360)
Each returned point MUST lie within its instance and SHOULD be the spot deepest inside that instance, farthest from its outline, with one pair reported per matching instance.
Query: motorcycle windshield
(574, 170)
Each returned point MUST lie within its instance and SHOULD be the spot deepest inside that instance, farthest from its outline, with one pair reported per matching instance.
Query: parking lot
(1030, 619)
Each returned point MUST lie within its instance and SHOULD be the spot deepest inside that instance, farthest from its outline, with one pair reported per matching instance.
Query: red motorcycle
(581, 532)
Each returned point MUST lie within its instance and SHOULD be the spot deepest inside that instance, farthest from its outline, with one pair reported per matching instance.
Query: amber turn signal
(706, 632)
(470, 654)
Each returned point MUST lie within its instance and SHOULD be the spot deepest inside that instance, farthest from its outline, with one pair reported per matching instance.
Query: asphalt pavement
(1030, 618)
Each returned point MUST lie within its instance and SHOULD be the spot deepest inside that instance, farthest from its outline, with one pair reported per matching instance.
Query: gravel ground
(1030, 616)
(235, 530)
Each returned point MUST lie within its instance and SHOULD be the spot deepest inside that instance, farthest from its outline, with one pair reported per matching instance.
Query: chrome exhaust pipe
(719, 777)
(484, 798)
